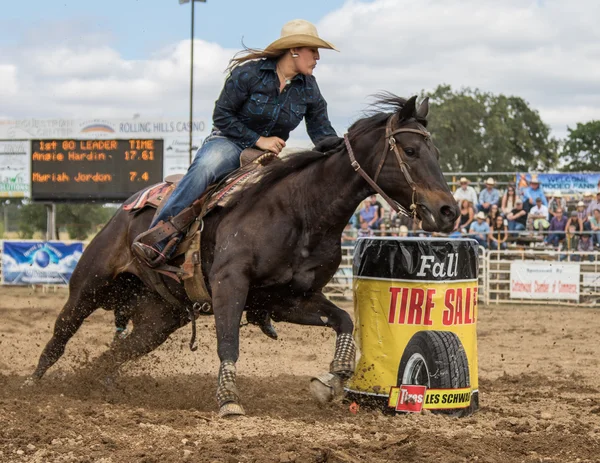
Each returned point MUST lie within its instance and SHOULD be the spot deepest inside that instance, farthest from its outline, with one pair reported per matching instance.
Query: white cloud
(546, 51)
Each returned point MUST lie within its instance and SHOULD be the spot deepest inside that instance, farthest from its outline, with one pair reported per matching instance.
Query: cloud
(546, 51)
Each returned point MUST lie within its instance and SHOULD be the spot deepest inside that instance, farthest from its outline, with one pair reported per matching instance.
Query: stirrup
(141, 251)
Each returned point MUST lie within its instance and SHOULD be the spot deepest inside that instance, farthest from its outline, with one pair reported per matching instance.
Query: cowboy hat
(580, 204)
(490, 181)
(480, 215)
(299, 33)
(464, 180)
(534, 179)
(557, 194)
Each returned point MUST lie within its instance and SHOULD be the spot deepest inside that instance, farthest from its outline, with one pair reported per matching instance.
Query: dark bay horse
(273, 249)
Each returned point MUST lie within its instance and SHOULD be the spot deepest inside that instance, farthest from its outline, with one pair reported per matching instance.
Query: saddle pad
(151, 196)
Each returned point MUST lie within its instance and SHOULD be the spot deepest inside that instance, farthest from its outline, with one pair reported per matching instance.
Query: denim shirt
(250, 105)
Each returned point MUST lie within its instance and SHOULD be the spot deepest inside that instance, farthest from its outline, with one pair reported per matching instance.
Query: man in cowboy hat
(532, 192)
(466, 192)
(266, 96)
(557, 202)
(488, 196)
(480, 229)
(594, 204)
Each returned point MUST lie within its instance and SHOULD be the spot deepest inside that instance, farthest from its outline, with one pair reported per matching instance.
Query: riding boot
(157, 254)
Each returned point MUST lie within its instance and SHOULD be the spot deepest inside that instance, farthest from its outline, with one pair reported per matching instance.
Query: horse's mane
(375, 118)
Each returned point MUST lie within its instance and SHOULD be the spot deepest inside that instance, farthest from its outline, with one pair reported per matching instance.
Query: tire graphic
(435, 359)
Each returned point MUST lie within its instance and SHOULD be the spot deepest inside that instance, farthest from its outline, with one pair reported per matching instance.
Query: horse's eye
(410, 152)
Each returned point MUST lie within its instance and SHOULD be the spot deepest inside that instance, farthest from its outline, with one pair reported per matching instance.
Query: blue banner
(39, 262)
(565, 183)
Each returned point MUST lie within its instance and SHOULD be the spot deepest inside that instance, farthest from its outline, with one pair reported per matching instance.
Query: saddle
(189, 221)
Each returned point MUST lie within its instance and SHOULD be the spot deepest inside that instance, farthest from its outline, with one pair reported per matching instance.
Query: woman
(494, 212)
(509, 199)
(467, 214)
(498, 234)
(369, 214)
(266, 95)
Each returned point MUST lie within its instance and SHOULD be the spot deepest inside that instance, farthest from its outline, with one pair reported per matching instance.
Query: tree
(81, 219)
(482, 132)
(582, 148)
(32, 218)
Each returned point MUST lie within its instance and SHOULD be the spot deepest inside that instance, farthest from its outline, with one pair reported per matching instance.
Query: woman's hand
(272, 144)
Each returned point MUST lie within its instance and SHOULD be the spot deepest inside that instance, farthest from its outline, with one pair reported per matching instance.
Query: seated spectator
(494, 212)
(595, 224)
(538, 216)
(488, 196)
(498, 234)
(517, 219)
(508, 199)
(532, 192)
(557, 202)
(403, 231)
(380, 210)
(558, 225)
(364, 230)
(348, 235)
(582, 216)
(575, 222)
(480, 229)
(588, 197)
(466, 192)
(467, 214)
(594, 203)
(368, 214)
(570, 243)
(585, 245)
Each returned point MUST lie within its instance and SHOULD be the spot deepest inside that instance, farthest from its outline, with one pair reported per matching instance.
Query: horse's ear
(408, 110)
(423, 109)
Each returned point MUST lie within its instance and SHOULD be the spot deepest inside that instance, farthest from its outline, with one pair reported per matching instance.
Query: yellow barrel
(415, 302)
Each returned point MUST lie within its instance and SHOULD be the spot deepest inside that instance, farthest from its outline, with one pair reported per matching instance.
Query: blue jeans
(217, 157)
(514, 226)
(555, 238)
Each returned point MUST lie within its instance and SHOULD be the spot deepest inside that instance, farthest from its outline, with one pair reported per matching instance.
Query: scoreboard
(93, 170)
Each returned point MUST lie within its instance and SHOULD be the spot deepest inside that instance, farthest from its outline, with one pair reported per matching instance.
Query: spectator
(594, 204)
(517, 219)
(538, 215)
(494, 212)
(582, 216)
(558, 225)
(368, 214)
(498, 234)
(532, 192)
(380, 210)
(585, 245)
(348, 235)
(575, 221)
(571, 242)
(588, 197)
(364, 230)
(508, 199)
(557, 202)
(480, 229)
(466, 192)
(488, 196)
(595, 224)
(467, 214)
(403, 231)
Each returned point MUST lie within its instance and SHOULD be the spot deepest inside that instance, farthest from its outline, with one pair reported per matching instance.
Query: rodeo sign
(39, 262)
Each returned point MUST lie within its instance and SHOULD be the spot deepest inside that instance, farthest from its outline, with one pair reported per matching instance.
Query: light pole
(181, 2)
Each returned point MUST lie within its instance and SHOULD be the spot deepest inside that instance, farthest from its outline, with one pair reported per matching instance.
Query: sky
(116, 58)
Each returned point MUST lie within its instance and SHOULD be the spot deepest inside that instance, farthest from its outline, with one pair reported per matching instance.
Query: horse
(271, 249)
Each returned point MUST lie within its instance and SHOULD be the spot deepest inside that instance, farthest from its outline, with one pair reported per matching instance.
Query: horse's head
(397, 153)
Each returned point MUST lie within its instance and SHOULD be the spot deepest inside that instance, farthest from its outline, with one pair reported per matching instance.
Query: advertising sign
(14, 168)
(564, 182)
(415, 302)
(544, 280)
(39, 262)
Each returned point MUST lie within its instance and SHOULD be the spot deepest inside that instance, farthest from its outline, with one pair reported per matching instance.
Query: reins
(400, 157)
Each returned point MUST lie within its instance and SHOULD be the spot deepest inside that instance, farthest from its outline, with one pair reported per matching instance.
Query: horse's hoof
(231, 409)
(29, 382)
(326, 387)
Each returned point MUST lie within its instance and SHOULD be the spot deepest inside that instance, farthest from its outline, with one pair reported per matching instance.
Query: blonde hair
(250, 54)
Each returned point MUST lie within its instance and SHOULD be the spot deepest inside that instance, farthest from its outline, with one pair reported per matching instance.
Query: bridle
(400, 157)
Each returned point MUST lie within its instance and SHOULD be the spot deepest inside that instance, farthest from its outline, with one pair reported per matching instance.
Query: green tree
(582, 148)
(31, 219)
(80, 220)
(482, 132)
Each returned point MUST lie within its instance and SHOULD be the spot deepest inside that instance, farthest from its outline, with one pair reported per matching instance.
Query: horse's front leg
(317, 310)
(229, 291)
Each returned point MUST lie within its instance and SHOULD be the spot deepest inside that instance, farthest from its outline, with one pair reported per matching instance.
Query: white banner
(14, 168)
(544, 280)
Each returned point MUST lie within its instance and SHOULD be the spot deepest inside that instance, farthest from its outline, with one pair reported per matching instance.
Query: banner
(14, 168)
(39, 262)
(544, 280)
(566, 183)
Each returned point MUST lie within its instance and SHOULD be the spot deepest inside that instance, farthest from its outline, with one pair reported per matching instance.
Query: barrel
(415, 303)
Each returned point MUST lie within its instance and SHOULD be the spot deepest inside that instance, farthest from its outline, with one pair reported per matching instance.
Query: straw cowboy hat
(480, 215)
(464, 180)
(299, 33)
(490, 181)
(534, 179)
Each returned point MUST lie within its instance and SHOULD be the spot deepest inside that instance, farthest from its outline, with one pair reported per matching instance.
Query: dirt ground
(539, 393)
